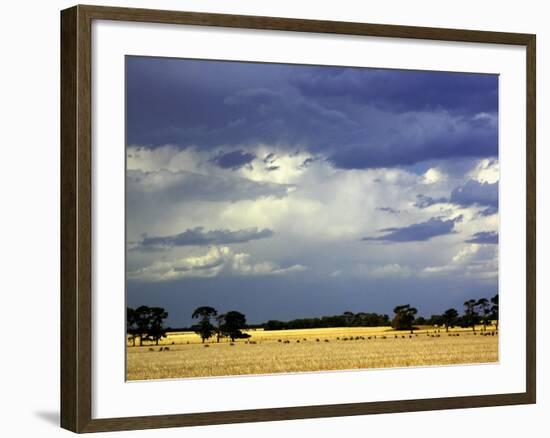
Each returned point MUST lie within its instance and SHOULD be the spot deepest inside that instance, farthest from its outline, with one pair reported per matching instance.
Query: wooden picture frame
(76, 218)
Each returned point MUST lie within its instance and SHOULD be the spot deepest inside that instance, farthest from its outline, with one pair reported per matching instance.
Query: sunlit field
(182, 354)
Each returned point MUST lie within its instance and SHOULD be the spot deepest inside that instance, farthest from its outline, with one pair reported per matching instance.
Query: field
(279, 351)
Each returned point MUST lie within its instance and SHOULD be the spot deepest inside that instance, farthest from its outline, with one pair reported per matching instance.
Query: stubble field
(280, 351)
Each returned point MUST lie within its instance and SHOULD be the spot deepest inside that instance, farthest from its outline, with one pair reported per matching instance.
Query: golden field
(279, 351)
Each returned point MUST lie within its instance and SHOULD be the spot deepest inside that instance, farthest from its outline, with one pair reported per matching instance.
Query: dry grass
(280, 351)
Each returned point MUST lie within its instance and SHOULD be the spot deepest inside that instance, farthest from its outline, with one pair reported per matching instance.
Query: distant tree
(435, 320)
(157, 331)
(470, 317)
(485, 311)
(131, 326)
(348, 318)
(273, 324)
(494, 310)
(449, 318)
(204, 328)
(420, 320)
(404, 317)
(232, 325)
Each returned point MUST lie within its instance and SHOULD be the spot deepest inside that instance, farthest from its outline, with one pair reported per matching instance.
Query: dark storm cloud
(399, 90)
(484, 237)
(417, 232)
(356, 118)
(198, 237)
(472, 193)
(233, 160)
(417, 138)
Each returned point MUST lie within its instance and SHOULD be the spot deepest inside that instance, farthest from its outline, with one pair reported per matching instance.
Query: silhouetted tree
(232, 325)
(348, 318)
(470, 317)
(131, 326)
(219, 321)
(142, 317)
(449, 318)
(204, 328)
(494, 309)
(157, 331)
(404, 317)
(485, 310)
(420, 320)
(273, 324)
(147, 323)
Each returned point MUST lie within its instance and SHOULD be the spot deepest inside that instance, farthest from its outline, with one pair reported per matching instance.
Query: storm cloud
(357, 118)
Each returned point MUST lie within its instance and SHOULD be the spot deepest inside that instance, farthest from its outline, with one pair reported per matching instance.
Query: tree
(219, 321)
(449, 318)
(274, 324)
(470, 315)
(146, 323)
(142, 317)
(232, 325)
(494, 310)
(157, 331)
(348, 318)
(485, 309)
(131, 326)
(435, 320)
(404, 317)
(420, 321)
(204, 328)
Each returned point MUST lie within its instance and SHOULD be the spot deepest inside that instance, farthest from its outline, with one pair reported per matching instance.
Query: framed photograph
(269, 218)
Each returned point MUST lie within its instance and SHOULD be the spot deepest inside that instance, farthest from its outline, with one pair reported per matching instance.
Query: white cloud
(471, 260)
(485, 171)
(219, 260)
(317, 212)
(433, 175)
(392, 270)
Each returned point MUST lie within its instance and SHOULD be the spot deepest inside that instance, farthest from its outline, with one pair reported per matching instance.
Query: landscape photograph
(288, 218)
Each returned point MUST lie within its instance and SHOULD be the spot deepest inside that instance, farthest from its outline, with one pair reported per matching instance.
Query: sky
(288, 191)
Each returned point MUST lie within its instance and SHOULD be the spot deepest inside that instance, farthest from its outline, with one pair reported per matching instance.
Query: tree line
(346, 319)
(147, 323)
(482, 311)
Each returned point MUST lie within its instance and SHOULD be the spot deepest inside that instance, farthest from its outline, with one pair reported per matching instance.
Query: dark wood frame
(76, 218)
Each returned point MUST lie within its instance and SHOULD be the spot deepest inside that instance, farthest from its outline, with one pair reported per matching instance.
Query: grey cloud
(472, 193)
(190, 186)
(475, 192)
(484, 237)
(417, 232)
(423, 201)
(233, 160)
(198, 237)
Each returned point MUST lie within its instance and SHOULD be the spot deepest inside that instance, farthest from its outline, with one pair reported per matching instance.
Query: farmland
(278, 351)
